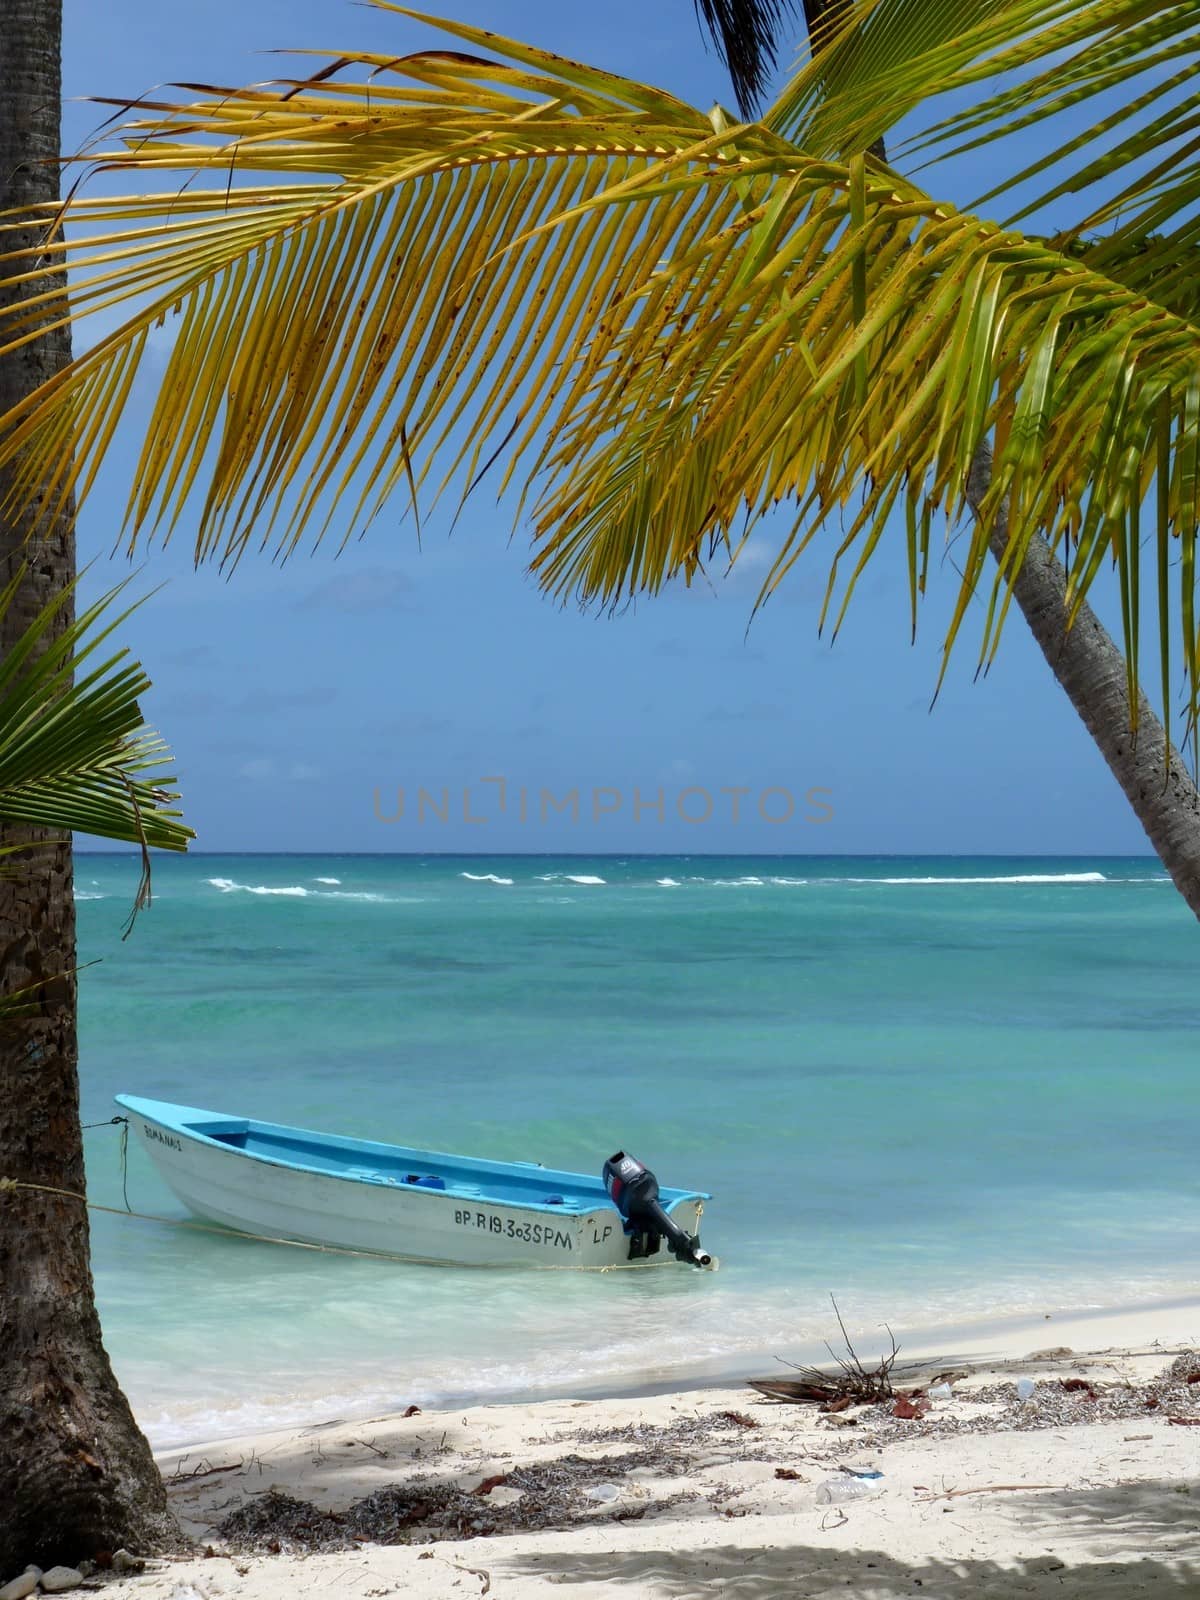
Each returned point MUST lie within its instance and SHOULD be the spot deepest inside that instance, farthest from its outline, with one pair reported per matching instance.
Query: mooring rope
(11, 1185)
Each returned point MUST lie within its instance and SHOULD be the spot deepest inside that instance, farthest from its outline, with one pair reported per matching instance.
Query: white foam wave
(228, 886)
(327, 880)
(667, 883)
(82, 894)
(570, 877)
(1016, 877)
(484, 877)
(737, 883)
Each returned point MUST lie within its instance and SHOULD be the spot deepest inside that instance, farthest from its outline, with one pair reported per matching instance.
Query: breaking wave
(1017, 877)
(228, 886)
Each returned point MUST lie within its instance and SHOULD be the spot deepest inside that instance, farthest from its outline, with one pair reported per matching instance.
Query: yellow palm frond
(657, 322)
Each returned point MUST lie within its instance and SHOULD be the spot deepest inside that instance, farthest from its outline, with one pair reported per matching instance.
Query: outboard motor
(633, 1189)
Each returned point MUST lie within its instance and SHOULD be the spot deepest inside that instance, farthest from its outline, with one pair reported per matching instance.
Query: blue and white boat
(280, 1182)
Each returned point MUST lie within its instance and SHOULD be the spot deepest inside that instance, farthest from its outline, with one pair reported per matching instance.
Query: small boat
(274, 1181)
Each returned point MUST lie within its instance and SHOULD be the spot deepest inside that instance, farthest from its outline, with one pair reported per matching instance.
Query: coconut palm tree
(669, 323)
(665, 322)
(74, 755)
(75, 1472)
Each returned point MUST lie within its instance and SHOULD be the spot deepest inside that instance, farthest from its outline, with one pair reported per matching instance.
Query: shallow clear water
(937, 1089)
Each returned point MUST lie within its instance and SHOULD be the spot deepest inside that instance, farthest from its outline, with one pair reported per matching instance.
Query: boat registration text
(530, 1232)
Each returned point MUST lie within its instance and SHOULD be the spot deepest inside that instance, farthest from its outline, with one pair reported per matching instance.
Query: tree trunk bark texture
(76, 1475)
(1092, 671)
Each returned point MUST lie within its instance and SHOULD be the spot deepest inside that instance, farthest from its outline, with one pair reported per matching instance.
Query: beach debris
(21, 1586)
(1050, 1405)
(202, 1469)
(411, 1411)
(940, 1391)
(841, 1491)
(125, 1561)
(988, 1488)
(552, 1494)
(505, 1495)
(1025, 1389)
(491, 1483)
(680, 1431)
(1185, 1422)
(910, 1407)
(59, 1579)
(474, 1572)
(1078, 1386)
(790, 1475)
(852, 1384)
(368, 1444)
(604, 1492)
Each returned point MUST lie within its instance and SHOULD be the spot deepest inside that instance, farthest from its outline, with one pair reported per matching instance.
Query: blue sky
(292, 696)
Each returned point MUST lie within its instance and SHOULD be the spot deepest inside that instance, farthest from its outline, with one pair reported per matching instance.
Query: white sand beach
(1089, 1488)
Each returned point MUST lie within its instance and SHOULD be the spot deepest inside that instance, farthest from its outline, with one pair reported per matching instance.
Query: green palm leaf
(657, 323)
(74, 751)
(1138, 161)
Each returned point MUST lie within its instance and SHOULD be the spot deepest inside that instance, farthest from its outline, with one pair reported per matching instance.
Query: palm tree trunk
(76, 1475)
(1092, 672)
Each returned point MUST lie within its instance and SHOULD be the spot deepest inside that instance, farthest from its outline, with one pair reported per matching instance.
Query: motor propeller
(633, 1189)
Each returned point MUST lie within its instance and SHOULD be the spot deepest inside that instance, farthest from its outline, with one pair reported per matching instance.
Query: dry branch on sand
(853, 1384)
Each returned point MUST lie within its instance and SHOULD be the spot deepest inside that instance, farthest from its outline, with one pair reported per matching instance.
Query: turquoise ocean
(943, 1091)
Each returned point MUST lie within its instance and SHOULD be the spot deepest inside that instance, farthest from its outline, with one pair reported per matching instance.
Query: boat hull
(375, 1212)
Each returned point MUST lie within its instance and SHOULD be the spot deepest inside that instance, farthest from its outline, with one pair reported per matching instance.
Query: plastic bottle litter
(839, 1491)
(941, 1391)
(604, 1492)
(1025, 1388)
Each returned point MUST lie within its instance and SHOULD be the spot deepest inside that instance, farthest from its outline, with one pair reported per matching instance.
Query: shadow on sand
(1141, 1540)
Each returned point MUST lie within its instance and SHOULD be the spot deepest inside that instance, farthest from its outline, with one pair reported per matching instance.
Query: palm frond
(74, 751)
(658, 324)
(747, 34)
(1048, 56)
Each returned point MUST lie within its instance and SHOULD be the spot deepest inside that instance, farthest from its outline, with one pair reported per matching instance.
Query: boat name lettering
(529, 1232)
(163, 1138)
